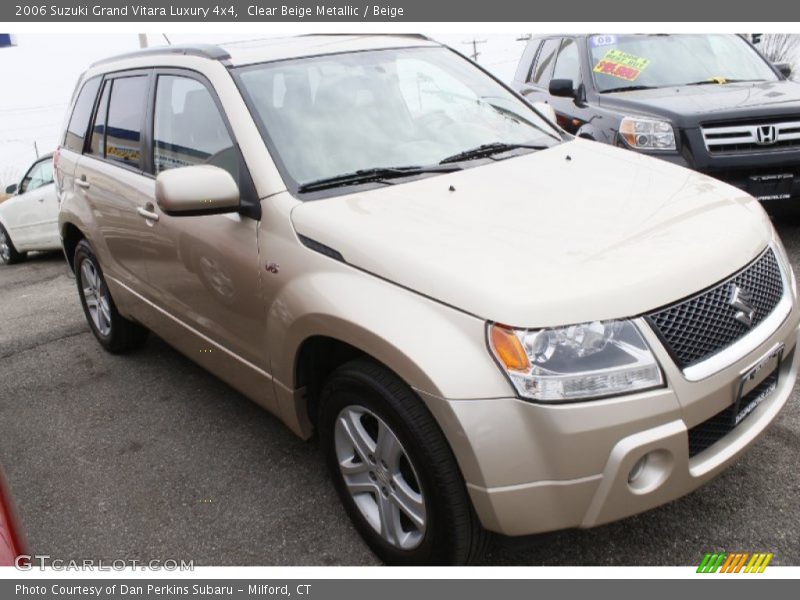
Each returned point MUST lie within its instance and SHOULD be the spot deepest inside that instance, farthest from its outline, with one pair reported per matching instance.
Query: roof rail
(208, 51)
(418, 36)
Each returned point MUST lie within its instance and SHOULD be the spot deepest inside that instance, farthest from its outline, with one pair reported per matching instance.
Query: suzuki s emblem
(743, 303)
(766, 135)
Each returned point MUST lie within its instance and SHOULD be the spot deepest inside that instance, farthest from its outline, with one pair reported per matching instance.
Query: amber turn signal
(508, 349)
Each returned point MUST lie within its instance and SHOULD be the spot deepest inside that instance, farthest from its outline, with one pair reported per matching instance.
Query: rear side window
(188, 128)
(126, 111)
(81, 114)
(544, 64)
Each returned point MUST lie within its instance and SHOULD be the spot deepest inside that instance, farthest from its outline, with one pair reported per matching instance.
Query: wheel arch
(435, 349)
(71, 234)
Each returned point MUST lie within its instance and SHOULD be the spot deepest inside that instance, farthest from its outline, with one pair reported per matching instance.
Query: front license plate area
(757, 384)
(771, 187)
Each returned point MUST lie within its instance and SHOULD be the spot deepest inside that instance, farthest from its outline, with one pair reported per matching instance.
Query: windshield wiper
(720, 81)
(370, 175)
(485, 150)
(629, 88)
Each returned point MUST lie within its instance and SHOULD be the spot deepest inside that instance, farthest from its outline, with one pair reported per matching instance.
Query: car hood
(687, 106)
(578, 232)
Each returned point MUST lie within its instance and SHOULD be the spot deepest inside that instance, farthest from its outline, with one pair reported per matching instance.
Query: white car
(29, 220)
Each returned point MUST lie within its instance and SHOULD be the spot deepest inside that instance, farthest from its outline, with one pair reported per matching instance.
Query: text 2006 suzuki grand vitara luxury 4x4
(490, 325)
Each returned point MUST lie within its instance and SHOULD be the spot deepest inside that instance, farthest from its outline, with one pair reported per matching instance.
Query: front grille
(709, 432)
(702, 325)
(761, 136)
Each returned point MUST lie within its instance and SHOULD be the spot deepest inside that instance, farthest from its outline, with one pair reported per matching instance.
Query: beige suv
(491, 326)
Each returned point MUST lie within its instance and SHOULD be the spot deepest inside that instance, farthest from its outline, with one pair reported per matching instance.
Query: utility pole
(36, 149)
(475, 52)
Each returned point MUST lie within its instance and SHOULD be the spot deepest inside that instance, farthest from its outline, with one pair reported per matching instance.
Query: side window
(98, 140)
(188, 128)
(544, 64)
(79, 121)
(126, 110)
(568, 62)
(40, 174)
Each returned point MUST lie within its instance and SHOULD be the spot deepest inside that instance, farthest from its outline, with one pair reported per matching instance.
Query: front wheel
(116, 333)
(394, 470)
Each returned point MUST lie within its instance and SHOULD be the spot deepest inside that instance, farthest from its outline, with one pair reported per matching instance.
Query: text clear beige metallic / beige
(484, 319)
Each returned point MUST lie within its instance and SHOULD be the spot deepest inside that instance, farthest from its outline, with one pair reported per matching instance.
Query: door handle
(82, 183)
(147, 214)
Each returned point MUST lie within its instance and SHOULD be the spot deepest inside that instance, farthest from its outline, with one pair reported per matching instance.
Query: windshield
(332, 115)
(620, 61)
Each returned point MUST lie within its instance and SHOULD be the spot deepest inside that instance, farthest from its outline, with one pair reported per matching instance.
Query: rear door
(110, 176)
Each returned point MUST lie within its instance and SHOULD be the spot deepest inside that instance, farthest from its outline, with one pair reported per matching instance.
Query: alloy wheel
(95, 294)
(5, 247)
(380, 478)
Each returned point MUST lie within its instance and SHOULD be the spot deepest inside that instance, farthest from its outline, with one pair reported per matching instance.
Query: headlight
(647, 134)
(590, 360)
(783, 260)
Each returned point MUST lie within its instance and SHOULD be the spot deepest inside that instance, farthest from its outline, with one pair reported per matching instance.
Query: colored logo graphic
(739, 562)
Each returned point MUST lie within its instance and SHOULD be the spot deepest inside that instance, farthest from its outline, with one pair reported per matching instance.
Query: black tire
(8, 253)
(452, 535)
(118, 334)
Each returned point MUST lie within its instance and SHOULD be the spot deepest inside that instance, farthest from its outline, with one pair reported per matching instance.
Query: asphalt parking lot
(149, 457)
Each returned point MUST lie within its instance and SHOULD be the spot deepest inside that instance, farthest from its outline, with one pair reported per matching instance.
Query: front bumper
(737, 169)
(532, 468)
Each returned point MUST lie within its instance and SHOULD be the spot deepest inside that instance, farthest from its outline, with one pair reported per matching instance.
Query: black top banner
(400, 11)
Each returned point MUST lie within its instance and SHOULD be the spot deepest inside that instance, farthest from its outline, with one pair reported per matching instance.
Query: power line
(32, 108)
(33, 127)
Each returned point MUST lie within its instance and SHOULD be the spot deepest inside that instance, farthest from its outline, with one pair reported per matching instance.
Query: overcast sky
(39, 74)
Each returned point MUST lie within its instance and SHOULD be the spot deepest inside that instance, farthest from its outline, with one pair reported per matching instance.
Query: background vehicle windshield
(330, 115)
(620, 61)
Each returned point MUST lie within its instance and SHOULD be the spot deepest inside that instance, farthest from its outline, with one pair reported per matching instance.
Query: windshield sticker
(621, 65)
(598, 41)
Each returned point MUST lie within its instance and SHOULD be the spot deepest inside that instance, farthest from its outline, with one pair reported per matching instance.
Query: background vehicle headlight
(647, 134)
(589, 360)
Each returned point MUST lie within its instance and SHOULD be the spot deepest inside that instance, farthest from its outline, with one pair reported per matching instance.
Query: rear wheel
(394, 470)
(116, 333)
(8, 253)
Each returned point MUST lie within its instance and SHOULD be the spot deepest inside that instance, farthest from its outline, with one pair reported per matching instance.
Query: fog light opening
(650, 471)
(637, 469)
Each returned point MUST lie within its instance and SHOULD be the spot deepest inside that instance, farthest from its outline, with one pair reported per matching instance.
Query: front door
(31, 216)
(206, 269)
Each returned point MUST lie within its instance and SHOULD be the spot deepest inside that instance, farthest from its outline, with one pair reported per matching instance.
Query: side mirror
(785, 69)
(546, 111)
(563, 88)
(197, 190)
(12, 189)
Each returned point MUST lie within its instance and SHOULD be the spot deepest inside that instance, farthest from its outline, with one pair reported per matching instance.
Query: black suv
(708, 102)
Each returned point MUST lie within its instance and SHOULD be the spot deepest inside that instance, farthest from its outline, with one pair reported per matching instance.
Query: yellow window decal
(621, 65)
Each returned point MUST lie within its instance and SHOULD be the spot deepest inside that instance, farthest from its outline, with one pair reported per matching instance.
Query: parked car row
(490, 324)
(708, 102)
